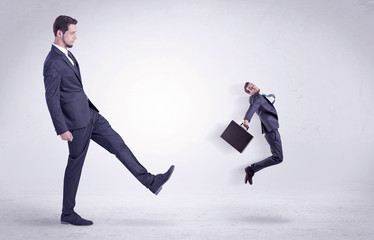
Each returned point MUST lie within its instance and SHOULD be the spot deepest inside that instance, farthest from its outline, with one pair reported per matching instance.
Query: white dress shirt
(65, 51)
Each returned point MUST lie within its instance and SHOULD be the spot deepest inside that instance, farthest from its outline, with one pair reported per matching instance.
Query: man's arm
(52, 80)
(251, 110)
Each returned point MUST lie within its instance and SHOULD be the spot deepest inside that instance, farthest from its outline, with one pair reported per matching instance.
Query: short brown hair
(62, 23)
(245, 87)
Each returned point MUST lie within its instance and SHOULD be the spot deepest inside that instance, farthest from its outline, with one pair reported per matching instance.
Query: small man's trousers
(274, 140)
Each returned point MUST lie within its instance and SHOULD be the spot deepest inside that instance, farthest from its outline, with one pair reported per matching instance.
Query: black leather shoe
(159, 180)
(75, 219)
(249, 173)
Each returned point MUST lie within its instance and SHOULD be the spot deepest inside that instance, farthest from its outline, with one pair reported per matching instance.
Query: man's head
(250, 88)
(64, 29)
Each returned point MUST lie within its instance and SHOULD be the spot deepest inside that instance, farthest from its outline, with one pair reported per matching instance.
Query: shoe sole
(160, 188)
(67, 223)
(246, 178)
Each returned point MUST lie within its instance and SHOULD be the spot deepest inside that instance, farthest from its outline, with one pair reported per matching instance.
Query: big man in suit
(78, 121)
(269, 122)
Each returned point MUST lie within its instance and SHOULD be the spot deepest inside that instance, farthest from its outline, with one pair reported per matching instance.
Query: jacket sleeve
(252, 108)
(52, 80)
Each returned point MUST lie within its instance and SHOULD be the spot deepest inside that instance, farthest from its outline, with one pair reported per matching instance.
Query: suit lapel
(76, 68)
(67, 61)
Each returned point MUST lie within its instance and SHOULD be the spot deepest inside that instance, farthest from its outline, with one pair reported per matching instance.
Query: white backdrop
(169, 75)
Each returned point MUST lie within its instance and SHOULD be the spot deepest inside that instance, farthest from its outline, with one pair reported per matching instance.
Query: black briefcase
(236, 136)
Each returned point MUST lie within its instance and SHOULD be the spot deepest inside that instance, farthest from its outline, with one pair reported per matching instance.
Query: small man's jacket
(265, 111)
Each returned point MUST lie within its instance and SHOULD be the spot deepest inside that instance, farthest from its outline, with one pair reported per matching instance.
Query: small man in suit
(78, 121)
(269, 122)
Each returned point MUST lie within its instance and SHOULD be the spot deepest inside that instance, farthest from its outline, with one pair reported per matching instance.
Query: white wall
(168, 75)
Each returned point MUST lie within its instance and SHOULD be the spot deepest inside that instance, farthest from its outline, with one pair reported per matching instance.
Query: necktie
(270, 95)
(70, 57)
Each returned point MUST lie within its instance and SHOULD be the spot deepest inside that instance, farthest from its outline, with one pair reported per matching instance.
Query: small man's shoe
(160, 179)
(75, 219)
(249, 173)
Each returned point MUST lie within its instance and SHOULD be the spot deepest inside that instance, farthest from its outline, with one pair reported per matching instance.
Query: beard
(66, 44)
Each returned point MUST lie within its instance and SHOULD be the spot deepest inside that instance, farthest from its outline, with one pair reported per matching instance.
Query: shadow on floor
(141, 222)
(41, 222)
(263, 219)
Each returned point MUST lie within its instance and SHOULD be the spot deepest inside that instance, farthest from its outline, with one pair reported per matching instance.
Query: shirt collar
(257, 93)
(65, 51)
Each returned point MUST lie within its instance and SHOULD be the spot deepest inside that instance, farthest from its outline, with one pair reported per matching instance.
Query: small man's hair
(245, 87)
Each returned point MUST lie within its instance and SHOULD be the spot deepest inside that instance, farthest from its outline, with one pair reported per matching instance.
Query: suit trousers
(274, 140)
(102, 133)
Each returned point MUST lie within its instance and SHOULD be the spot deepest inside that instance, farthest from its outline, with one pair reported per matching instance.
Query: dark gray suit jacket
(67, 103)
(265, 110)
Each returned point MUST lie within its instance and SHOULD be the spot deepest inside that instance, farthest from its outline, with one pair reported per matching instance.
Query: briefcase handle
(244, 126)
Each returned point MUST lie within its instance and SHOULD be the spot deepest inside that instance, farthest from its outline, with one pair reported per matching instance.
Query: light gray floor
(240, 214)
(168, 75)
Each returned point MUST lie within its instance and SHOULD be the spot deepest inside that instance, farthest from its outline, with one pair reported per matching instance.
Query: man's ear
(59, 33)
